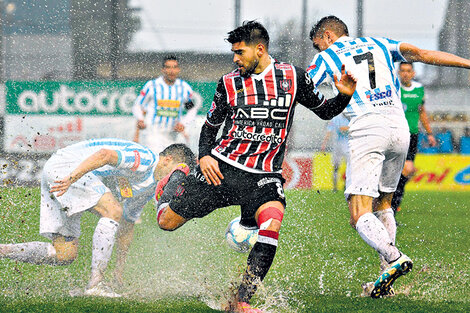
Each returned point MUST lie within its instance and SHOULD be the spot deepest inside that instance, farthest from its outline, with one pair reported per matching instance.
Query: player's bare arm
(210, 170)
(440, 58)
(423, 117)
(347, 84)
(96, 160)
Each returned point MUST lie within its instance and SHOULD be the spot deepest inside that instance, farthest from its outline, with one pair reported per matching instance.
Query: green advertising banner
(84, 97)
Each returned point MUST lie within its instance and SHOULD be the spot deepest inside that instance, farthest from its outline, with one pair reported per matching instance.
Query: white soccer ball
(239, 238)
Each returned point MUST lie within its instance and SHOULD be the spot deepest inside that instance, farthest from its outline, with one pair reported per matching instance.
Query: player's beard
(250, 69)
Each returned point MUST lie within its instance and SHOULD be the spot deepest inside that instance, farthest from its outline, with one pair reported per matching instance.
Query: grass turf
(320, 264)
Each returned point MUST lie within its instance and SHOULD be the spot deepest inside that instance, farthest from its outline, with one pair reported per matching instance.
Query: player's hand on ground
(210, 170)
(347, 84)
(62, 185)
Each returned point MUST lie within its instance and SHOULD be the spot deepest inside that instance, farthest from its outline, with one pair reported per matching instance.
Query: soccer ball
(239, 238)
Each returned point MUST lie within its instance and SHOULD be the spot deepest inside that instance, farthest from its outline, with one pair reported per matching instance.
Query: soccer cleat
(367, 290)
(101, 290)
(383, 285)
(243, 307)
(168, 185)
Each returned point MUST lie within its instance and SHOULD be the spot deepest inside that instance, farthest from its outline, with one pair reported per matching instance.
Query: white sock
(34, 252)
(103, 242)
(373, 232)
(387, 217)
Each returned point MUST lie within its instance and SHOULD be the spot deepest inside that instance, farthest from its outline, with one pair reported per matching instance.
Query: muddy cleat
(101, 290)
(368, 287)
(243, 307)
(383, 285)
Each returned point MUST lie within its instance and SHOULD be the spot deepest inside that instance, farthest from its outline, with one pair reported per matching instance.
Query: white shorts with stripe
(377, 151)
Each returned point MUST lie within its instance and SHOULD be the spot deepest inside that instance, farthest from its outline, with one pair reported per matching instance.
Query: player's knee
(168, 220)
(166, 223)
(109, 207)
(270, 219)
(66, 251)
(113, 212)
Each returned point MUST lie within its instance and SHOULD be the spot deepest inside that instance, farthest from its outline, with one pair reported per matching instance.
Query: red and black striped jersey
(258, 111)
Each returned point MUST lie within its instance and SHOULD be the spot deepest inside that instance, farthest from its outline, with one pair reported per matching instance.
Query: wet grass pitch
(320, 265)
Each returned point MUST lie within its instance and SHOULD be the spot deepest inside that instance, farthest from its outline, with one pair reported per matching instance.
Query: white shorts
(377, 154)
(61, 215)
(157, 139)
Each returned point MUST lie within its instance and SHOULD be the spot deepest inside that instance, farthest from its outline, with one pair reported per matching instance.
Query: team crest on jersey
(285, 84)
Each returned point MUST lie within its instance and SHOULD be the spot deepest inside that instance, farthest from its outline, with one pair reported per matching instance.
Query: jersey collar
(343, 38)
(266, 70)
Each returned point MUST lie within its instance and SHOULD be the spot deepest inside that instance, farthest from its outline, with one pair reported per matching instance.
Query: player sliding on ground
(243, 167)
(110, 177)
(378, 131)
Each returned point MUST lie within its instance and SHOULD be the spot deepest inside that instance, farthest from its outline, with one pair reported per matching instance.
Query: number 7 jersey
(371, 61)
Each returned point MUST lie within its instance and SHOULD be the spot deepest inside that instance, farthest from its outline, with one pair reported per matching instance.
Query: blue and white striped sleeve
(394, 48)
(188, 91)
(139, 104)
(318, 70)
(135, 159)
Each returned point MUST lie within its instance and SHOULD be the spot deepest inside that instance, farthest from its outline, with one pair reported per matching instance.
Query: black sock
(398, 195)
(259, 261)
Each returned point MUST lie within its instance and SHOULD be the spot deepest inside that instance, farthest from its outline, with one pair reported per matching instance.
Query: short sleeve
(394, 48)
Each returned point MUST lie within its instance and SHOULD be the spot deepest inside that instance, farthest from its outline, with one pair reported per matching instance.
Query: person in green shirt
(412, 97)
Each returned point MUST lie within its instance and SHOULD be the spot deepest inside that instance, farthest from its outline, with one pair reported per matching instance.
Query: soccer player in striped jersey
(256, 102)
(164, 108)
(412, 97)
(378, 131)
(110, 177)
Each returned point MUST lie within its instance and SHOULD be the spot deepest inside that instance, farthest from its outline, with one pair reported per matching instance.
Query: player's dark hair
(169, 57)
(332, 23)
(181, 153)
(405, 62)
(251, 32)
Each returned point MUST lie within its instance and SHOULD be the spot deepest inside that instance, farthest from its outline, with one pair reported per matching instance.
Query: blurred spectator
(445, 141)
(164, 108)
(465, 141)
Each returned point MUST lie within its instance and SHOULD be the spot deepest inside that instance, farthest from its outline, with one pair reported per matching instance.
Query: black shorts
(239, 187)
(413, 148)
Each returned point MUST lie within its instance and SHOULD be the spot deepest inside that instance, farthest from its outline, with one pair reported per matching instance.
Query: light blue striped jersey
(134, 169)
(371, 61)
(161, 104)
